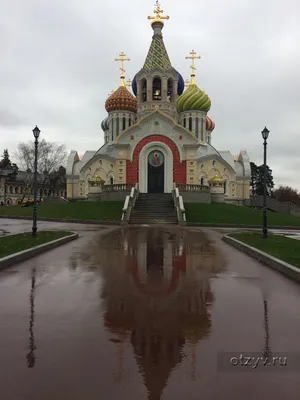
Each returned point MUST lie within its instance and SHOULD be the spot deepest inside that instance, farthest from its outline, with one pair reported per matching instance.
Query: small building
(14, 189)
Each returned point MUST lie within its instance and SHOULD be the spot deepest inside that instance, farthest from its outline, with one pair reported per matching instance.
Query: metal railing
(187, 187)
(129, 204)
(179, 205)
(285, 207)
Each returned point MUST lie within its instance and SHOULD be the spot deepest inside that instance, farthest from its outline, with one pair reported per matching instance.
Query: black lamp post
(265, 135)
(36, 134)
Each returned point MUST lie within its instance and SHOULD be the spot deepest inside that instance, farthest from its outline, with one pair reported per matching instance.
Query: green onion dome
(193, 99)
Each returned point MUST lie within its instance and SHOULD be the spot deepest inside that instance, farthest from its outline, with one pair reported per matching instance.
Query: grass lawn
(231, 214)
(23, 241)
(94, 210)
(284, 248)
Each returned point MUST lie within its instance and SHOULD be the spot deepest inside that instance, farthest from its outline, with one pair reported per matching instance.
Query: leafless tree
(51, 156)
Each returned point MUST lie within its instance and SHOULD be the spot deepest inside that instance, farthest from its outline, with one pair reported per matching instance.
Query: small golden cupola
(121, 105)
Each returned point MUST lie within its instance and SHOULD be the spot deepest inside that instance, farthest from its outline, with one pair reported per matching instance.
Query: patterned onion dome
(122, 100)
(104, 124)
(180, 86)
(193, 99)
(210, 125)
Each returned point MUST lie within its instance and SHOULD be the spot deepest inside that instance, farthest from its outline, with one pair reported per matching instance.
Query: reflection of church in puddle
(157, 296)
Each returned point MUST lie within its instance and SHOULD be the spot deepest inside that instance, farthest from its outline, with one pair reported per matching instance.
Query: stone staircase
(154, 208)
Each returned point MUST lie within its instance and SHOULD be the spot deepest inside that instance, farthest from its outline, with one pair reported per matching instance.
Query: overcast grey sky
(57, 68)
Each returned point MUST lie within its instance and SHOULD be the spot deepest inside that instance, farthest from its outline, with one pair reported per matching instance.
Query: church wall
(208, 168)
(243, 189)
(179, 175)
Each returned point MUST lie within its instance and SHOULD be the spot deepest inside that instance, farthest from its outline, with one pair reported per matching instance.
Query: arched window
(184, 122)
(202, 181)
(156, 89)
(225, 187)
(197, 128)
(129, 122)
(170, 89)
(111, 179)
(11, 190)
(144, 90)
(16, 190)
(124, 123)
(190, 123)
(112, 129)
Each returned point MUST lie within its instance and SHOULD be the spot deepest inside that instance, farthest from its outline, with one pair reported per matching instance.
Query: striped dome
(210, 125)
(104, 124)
(122, 100)
(193, 99)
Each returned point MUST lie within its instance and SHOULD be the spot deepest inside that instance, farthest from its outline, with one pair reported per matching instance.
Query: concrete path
(146, 313)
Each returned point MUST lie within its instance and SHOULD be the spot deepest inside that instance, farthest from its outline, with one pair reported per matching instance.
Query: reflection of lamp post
(265, 134)
(267, 350)
(31, 355)
(36, 134)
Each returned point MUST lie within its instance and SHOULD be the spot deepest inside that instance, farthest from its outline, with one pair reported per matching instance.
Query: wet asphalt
(154, 313)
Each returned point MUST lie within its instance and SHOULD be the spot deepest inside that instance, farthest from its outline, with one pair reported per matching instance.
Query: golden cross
(122, 58)
(186, 83)
(193, 57)
(128, 84)
(158, 17)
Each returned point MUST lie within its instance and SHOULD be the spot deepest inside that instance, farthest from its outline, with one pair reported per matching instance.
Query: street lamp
(265, 135)
(36, 134)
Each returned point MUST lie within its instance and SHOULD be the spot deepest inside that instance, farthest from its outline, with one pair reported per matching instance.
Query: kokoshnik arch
(158, 134)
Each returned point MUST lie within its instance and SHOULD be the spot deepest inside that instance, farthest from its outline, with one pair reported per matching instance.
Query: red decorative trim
(179, 168)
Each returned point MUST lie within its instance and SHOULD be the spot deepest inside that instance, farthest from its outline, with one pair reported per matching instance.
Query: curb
(296, 228)
(73, 221)
(281, 266)
(12, 259)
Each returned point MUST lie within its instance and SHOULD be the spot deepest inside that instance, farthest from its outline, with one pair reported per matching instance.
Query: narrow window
(118, 126)
(184, 122)
(124, 123)
(112, 129)
(197, 127)
(202, 133)
(202, 181)
(111, 180)
(190, 123)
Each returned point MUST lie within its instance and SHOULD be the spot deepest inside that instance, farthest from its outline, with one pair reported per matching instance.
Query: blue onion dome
(180, 86)
(104, 124)
(134, 86)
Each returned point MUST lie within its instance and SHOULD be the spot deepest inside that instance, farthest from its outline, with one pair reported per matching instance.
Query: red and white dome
(121, 100)
(210, 125)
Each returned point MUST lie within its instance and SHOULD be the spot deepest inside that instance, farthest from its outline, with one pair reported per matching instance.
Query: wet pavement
(145, 313)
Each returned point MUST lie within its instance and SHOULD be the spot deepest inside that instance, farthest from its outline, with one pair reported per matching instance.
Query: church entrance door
(156, 172)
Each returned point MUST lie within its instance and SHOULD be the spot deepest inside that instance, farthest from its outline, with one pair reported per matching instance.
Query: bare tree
(50, 157)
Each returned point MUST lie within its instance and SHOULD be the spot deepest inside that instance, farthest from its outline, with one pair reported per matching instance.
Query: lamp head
(265, 133)
(36, 132)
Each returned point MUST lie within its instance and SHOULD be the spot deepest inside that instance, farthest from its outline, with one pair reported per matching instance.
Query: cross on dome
(128, 84)
(193, 57)
(122, 58)
(186, 83)
(158, 17)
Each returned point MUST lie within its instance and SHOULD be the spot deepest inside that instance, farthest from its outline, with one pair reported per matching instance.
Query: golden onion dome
(121, 100)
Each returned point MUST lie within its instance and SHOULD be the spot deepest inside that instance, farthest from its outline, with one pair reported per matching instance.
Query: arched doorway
(156, 172)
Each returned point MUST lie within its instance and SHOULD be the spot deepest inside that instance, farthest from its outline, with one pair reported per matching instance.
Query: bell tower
(157, 82)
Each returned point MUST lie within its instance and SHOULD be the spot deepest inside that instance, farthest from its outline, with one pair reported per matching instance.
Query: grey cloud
(57, 68)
